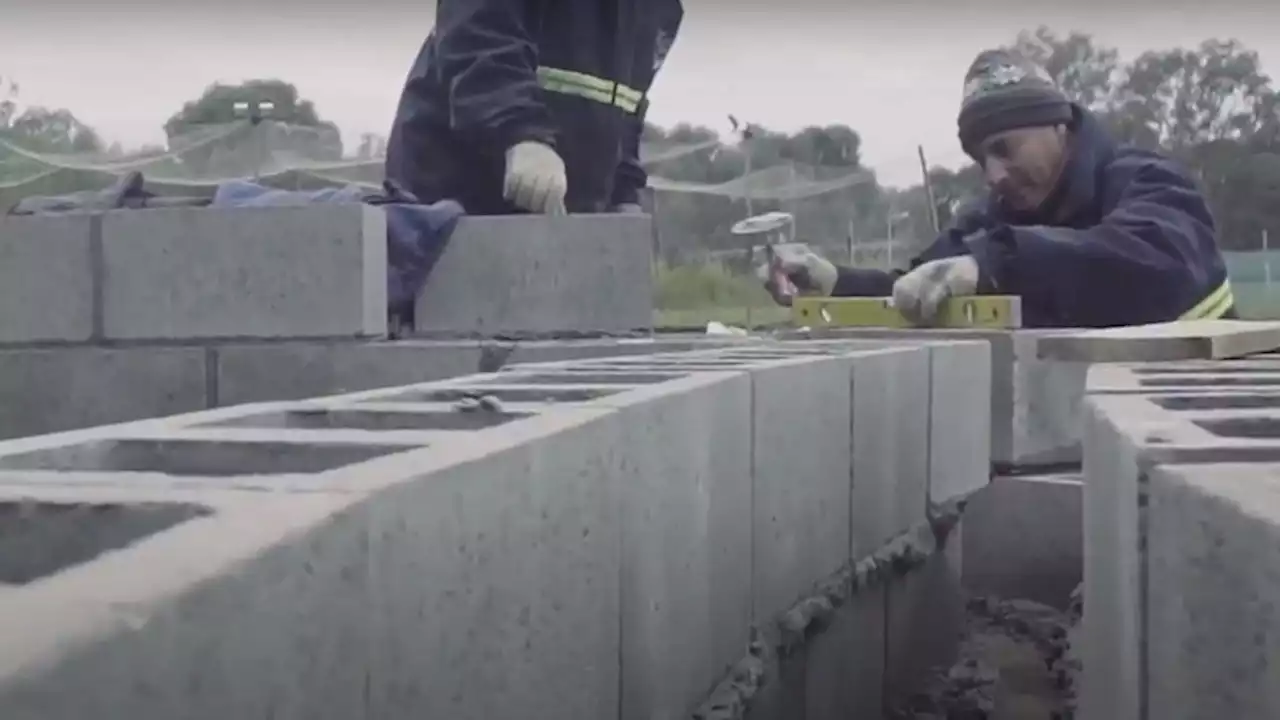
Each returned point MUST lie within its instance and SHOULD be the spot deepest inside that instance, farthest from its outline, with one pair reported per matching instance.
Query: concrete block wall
(1035, 403)
(1179, 506)
(527, 276)
(194, 273)
(634, 538)
(122, 315)
(52, 389)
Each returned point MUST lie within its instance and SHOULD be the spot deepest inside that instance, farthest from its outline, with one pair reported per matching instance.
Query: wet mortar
(1014, 663)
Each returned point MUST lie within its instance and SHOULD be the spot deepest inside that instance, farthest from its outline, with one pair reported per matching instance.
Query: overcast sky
(892, 71)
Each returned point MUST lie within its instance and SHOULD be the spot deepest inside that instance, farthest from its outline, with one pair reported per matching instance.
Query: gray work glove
(918, 295)
(627, 209)
(796, 264)
(535, 178)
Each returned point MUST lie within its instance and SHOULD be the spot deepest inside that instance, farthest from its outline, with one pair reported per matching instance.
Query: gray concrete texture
(1212, 586)
(53, 389)
(904, 396)
(1202, 419)
(1034, 403)
(528, 275)
(1025, 539)
(598, 547)
(177, 274)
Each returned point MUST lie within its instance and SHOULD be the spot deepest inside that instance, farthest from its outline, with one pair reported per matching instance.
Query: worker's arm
(859, 282)
(490, 64)
(1150, 259)
(631, 176)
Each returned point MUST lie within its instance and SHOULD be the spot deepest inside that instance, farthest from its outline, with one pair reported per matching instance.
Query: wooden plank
(1189, 340)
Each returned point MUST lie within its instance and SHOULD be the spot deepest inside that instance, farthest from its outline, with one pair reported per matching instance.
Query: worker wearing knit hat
(1087, 232)
(1003, 91)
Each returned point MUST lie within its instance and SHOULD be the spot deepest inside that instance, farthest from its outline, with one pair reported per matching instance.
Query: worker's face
(1022, 165)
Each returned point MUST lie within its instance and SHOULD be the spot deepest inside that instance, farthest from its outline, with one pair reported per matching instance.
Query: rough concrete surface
(1212, 639)
(890, 474)
(1025, 539)
(47, 280)
(524, 275)
(270, 272)
(1035, 403)
(609, 544)
(1161, 604)
(1013, 663)
(1111, 646)
(53, 389)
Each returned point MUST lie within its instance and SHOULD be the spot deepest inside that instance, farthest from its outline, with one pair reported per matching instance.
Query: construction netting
(695, 214)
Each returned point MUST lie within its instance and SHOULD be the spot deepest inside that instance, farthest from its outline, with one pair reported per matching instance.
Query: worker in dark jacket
(1088, 233)
(531, 105)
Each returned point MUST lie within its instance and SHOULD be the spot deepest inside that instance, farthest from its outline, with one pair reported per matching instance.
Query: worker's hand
(919, 294)
(628, 209)
(535, 179)
(808, 272)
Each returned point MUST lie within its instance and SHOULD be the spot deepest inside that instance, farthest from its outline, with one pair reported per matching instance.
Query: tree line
(1211, 106)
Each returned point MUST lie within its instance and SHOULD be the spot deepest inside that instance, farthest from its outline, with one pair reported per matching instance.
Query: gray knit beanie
(1004, 91)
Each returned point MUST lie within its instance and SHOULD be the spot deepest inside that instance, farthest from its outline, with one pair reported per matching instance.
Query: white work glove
(535, 178)
(919, 294)
(808, 272)
(628, 209)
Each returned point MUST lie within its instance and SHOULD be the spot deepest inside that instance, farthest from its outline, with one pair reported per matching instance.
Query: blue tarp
(416, 234)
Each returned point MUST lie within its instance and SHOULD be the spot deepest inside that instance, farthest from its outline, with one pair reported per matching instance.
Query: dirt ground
(1014, 664)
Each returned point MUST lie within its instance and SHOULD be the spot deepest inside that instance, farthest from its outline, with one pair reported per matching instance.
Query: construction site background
(1210, 106)
(703, 272)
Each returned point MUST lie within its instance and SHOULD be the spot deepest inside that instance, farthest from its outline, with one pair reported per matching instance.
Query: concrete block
(535, 275)
(1213, 635)
(182, 603)
(959, 419)
(1035, 404)
(476, 578)
(64, 388)
(1189, 340)
(47, 280)
(258, 372)
(1112, 637)
(287, 272)
(1131, 435)
(1023, 539)
(890, 431)
(1189, 378)
(800, 478)
(924, 622)
(685, 450)
(496, 580)
(1041, 425)
(630, 349)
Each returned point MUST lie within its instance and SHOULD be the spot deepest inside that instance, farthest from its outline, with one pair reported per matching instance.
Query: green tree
(217, 105)
(1085, 71)
(52, 131)
(38, 130)
(290, 129)
(8, 100)
(1181, 98)
(705, 185)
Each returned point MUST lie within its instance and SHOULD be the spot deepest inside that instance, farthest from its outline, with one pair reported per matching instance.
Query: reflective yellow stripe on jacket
(1213, 306)
(568, 82)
